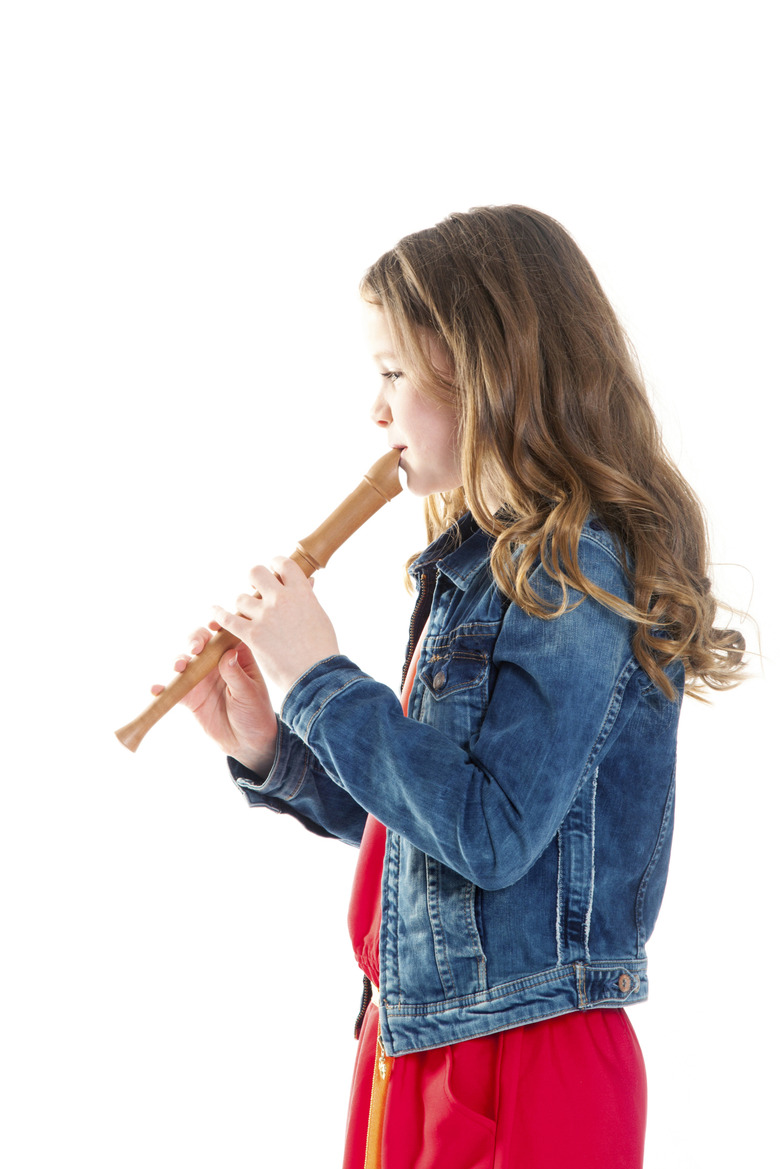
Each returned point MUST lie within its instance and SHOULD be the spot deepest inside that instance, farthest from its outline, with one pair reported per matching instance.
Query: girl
(514, 814)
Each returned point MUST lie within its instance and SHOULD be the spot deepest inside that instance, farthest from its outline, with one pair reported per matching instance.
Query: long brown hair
(555, 423)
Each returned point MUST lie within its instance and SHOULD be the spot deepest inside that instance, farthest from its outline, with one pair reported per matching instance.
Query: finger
(245, 659)
(263, 580)
(248, 606)
(247, 662)
(198, 640)
(233, 622)
(244, 682)
(180, 665)
(233, 673)
(287, 571)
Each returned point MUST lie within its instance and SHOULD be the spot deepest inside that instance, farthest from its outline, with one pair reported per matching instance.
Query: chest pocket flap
(453, 670)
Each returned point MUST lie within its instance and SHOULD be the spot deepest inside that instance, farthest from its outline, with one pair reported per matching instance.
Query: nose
(380, 411)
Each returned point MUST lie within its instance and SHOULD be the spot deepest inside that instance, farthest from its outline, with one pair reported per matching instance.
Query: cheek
(443, 454)
(443, 428)
(436, 419)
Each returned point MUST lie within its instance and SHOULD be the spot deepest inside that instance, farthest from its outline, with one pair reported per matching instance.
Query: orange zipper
(383, 1066)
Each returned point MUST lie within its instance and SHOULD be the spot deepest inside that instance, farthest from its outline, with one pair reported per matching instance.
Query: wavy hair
(555, 423)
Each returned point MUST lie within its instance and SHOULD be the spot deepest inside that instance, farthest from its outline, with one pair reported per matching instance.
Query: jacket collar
(459, 553)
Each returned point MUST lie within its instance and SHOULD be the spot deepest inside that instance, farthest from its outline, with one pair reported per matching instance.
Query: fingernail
(233, 660)
(194, 646)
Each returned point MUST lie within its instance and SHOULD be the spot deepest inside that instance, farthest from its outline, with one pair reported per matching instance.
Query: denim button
(624, 983)
(439, 680)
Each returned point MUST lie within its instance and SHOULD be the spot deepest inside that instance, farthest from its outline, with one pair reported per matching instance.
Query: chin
(421, 489)
(425, 492)
(422, 486)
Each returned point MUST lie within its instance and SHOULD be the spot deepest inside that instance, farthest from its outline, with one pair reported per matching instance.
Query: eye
(392, 375)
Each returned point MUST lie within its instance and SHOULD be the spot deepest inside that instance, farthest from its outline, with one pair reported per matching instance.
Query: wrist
(260, 764)
(291, 680)
(258, 757)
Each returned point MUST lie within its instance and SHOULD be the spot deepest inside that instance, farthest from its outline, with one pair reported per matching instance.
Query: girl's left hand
(285, 627)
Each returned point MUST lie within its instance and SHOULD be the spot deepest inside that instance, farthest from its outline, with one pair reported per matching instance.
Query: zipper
(380, 1081)
(415, 625)
(381, 1062)
(364, 1001)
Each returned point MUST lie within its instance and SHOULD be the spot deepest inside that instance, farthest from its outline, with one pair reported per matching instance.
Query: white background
(190, 194)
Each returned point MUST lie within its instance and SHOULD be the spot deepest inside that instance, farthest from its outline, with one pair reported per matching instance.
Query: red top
(365, 907)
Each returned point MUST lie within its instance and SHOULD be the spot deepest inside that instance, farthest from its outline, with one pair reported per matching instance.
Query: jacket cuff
(309, 696)
(285, 777)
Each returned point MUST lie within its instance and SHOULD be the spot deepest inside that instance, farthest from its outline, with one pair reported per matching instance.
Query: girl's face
(424, 429)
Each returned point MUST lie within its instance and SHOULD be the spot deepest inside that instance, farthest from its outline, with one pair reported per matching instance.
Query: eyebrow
(384, 356)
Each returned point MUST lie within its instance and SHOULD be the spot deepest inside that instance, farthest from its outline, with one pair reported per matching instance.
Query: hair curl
(555, 423)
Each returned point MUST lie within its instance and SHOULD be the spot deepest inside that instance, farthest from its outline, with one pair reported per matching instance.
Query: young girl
(514, 814)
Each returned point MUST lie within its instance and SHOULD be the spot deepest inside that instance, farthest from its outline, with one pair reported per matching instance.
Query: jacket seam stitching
(559, 903)
(589, 911)
(301, 779)
(334, 694)
(653, 861)
(612, 712)
(560, 975)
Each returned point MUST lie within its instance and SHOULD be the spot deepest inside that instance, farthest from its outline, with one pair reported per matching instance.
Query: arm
(298, 785)
(488, 809)
(269, 764)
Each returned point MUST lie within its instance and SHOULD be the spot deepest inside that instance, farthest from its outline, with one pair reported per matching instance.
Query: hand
(285, 627)
(232, 704)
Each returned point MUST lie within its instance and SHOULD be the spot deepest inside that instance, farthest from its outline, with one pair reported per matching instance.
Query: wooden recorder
(378, 486)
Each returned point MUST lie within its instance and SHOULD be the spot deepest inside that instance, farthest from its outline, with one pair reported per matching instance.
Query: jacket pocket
(455, 670)
(460, 958)
(453, 679)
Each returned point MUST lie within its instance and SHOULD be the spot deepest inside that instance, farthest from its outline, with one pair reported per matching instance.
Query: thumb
(243, 687)
(246, 661)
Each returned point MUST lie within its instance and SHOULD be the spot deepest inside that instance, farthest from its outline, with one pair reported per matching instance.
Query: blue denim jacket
(528, 798)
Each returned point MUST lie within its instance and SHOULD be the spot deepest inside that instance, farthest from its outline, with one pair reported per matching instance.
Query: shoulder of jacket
(597, 538)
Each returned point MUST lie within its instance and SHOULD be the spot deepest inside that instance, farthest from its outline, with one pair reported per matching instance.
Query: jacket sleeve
(489, 809)
(299, 786)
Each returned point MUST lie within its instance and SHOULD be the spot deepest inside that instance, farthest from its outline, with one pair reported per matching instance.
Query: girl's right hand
(232, 704)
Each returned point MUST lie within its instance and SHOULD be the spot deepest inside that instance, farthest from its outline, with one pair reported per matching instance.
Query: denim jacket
(528, 798)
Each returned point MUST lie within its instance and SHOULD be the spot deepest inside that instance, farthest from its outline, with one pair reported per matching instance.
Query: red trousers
(565, 1093)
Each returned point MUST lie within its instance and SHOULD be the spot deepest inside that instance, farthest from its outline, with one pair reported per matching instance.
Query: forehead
(377, 330)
